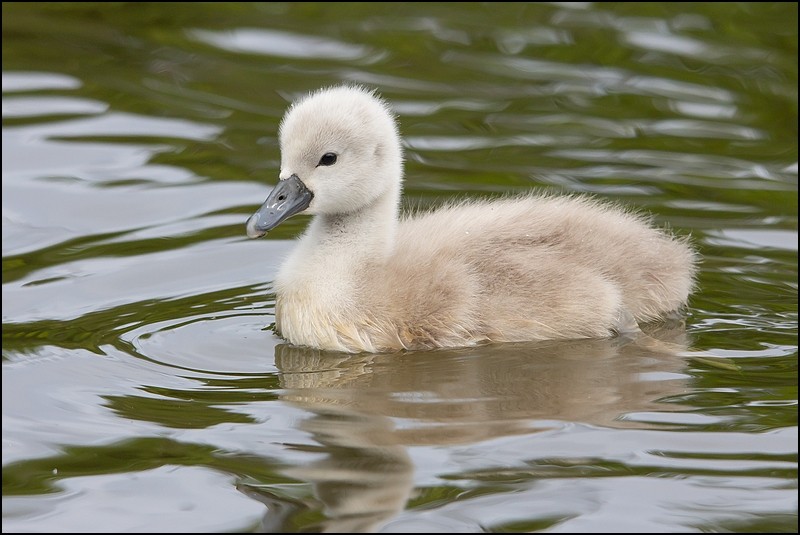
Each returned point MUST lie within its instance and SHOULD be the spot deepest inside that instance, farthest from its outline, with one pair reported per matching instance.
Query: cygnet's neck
(364, 235)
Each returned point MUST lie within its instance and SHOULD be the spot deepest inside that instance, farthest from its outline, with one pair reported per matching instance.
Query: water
(142, 391)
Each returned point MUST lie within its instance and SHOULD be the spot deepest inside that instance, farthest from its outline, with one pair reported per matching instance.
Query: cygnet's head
(340, 152)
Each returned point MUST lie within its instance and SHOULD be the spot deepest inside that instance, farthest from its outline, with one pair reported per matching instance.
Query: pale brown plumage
(531, 267)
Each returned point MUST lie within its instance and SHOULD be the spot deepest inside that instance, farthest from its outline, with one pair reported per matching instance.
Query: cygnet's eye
(328, 158)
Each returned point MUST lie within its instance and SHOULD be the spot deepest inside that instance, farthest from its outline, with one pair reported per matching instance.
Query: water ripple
(279, 43)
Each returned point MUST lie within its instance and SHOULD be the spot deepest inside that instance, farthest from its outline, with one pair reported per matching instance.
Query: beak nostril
(290, 196)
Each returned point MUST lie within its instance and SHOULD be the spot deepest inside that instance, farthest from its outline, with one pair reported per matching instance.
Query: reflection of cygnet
(366, 411)
(532, 267)
(365, 479)
(466, 394)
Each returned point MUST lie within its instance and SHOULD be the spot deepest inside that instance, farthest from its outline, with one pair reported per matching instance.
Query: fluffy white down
(531, 267)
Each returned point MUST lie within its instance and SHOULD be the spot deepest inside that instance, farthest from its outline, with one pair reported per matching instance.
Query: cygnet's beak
(289, 197)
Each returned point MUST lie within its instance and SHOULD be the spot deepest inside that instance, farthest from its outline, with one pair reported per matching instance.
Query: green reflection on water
(41, 476)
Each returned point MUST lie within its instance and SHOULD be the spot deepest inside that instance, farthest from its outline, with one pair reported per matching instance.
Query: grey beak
(289, 197)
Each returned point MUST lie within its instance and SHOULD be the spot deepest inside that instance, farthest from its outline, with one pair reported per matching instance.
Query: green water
(142, 392)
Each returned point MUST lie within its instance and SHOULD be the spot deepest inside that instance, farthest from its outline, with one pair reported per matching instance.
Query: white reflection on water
(15, 107)
(683, 45)
(754, 238)
(279, 43)
(203, 495)
(36, 81)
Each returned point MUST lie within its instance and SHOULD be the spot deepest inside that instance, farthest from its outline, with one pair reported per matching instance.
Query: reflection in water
(368, 409)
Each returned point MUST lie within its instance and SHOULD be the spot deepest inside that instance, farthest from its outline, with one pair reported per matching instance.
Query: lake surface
(144, 391)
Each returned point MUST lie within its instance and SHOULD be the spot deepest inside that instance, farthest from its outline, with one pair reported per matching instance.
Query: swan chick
(516, 268)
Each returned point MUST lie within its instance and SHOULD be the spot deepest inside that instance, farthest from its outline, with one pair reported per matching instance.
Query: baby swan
(523, 268)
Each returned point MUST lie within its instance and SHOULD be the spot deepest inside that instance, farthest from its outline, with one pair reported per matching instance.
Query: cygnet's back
(530, 267)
